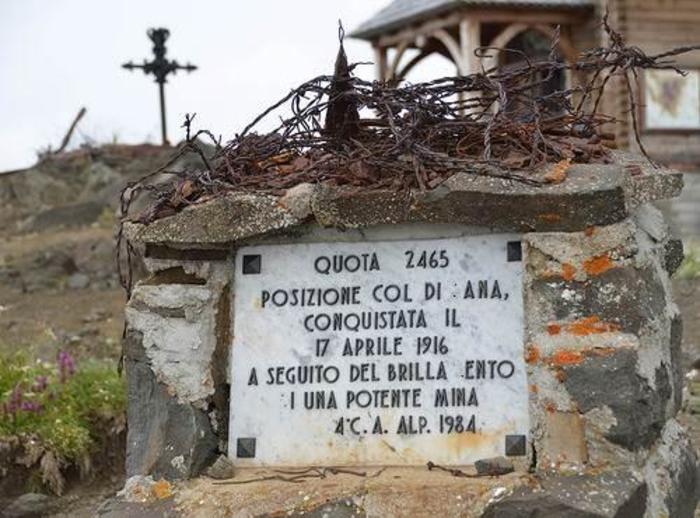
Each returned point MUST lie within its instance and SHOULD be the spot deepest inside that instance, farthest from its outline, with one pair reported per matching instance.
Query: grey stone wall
(176, 350)
(602, 334)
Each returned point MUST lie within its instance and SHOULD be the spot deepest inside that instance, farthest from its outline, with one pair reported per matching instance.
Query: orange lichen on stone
(566, 357)
(553, 329)
(162, 490)
(557, 172)
(532, 354)
(598, 265)
(591, 326)
(534, 389)
(589, 231)
(568, 271)
(550, 407)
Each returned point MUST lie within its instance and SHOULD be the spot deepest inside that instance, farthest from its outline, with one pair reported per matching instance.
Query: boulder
(166, 438)
(615, 494)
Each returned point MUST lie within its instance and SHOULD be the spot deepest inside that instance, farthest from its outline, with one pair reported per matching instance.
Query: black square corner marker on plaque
(515, 445)
(252, 264)
(245, 448)
(515, 251)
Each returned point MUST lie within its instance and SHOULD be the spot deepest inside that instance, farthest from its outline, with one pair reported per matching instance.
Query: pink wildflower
(66, 365)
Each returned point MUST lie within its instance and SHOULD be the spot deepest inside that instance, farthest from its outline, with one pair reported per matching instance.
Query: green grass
(58, 404)
(690, 269)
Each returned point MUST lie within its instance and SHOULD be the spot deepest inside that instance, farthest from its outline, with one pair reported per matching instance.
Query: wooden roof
(403, 12)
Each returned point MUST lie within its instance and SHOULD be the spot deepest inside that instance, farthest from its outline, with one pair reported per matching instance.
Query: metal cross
(160, 67)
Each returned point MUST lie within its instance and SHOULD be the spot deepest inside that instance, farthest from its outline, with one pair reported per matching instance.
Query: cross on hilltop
(160, 67)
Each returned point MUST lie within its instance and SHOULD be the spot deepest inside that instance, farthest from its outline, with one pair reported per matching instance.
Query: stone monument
(523, 339)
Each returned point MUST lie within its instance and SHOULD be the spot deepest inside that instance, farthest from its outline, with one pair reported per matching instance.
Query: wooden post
(469, 40)
(380, 62)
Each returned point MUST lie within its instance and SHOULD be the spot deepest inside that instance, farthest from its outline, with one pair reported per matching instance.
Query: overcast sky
(59, 55)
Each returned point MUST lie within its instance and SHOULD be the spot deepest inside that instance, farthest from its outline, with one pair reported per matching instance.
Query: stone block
(651, 220)
(673, 255)
(672, 474)
(676, 355)
(617, 494)
(165, 438)
(613, 381)
(564, 440)
(177, 322)
(662, 185)
(651, 183)
(225, 219)
(347, 208)
(170, 325)
(628, 298)
(592, 195)
(578, 256)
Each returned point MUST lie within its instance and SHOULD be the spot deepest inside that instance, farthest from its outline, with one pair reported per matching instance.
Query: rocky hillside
(72, 189)
(58, 283)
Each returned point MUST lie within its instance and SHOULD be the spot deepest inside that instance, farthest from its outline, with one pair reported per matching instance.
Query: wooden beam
(391, 72)
(453, 47)
(501, 41)
(425, 29)
(529, 16)
(401, 74)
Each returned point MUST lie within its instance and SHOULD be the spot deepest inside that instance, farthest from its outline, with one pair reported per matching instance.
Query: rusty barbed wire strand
(301, 475)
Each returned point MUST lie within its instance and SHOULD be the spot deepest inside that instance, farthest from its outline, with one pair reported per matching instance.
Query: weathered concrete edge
(648, 182)
(648, 188)
(592, 195)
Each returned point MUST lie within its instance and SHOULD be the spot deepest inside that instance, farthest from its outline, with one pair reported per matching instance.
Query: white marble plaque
(378, 353)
